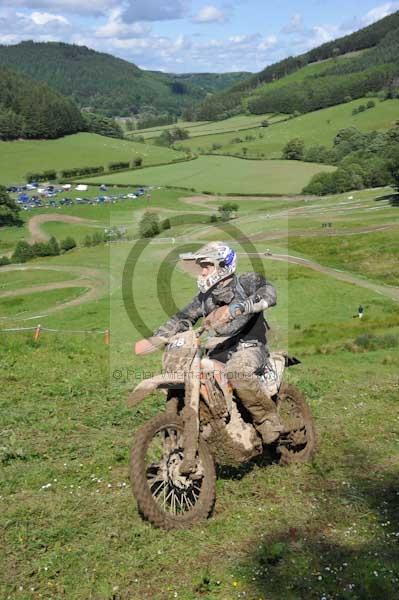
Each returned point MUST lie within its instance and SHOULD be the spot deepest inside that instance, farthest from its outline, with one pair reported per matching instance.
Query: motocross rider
(236, 303)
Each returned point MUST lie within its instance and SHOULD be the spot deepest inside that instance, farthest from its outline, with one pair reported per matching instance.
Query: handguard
(147, 346)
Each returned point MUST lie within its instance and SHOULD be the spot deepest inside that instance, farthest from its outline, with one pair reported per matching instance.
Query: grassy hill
(108, 84)
(226, 175)
(318, 127)
(326, 84)
(83, 149)
(323, 529)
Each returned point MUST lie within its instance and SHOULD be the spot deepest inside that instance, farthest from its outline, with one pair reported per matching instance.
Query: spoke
(167, 498)
(189, 502)
(157, 492)
(180, 501)
(186, 500)
(173, 503)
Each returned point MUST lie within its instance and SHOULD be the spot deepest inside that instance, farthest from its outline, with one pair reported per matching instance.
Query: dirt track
(96, 281)
(385, 290)
(38, 235)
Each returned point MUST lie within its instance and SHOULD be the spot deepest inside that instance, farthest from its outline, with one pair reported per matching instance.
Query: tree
(393, 167)
(149, 225)
(23, 252)
(9, 211)
(294, 149)
(4, 260)
(68, 244)
(227, 209)
(138, 161)
(165, 224)
(54, 246)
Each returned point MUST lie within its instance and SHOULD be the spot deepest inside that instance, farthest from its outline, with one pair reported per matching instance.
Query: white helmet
(220, 255)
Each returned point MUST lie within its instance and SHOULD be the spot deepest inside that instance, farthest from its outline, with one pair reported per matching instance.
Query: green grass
(201, 128)
(318, 127)
(225, 174)
(79, 150)
(70, 526)
(12, 280)
(31, 304)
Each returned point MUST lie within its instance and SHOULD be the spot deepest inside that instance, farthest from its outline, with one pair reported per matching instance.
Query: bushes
(137, 162)
(24, 252)
(68, 244)
(118, 166)
(4, 260)
(364, 159)
(45, 176)
(69, 173)
(149, 225)
(294, 149)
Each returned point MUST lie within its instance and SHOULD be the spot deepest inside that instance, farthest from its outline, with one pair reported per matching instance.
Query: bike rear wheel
(297, 443)
(165, 497)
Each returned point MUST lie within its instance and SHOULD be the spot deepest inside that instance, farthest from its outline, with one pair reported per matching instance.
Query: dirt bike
(173, 457)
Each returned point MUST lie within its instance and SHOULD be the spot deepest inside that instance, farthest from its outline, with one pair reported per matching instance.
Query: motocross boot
(270, 429)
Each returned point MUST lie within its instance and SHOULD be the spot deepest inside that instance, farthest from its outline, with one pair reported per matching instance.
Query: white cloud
(78, 7)
(116, 28)
(44, 18)
(294, 26)
(268, 42)
(379, 12)
(40, 26)
(133, 10)
(210, 14)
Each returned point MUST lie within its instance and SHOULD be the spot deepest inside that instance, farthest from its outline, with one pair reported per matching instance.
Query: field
(202, 128)
(79, 150)
(314, 128)
(225, 175)
(328, 529)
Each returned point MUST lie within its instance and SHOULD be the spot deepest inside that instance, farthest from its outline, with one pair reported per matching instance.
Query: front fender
(146, 387)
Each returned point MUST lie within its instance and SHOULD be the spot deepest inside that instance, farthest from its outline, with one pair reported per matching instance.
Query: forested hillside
(374, 69)
(32, 110)
(109, 85)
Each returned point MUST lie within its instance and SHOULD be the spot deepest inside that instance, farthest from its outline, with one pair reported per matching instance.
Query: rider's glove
(248, 306)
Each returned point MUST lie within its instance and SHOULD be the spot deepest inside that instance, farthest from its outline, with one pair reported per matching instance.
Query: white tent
(81, 188)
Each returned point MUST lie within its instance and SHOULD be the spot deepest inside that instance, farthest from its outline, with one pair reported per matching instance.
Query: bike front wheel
(164, 496)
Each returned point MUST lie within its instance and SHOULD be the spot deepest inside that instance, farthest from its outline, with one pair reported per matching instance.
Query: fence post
(106, 336)
(37, 333)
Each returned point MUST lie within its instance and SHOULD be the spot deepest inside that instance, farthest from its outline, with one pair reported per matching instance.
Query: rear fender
(164, 381)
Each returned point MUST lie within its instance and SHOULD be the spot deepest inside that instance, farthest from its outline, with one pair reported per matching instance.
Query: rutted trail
(95, 280)
(38, 235)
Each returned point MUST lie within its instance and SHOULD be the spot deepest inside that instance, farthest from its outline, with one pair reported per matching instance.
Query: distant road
(391, 292)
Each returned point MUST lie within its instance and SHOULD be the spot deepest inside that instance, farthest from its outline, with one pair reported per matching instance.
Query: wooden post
(37, 333)
(106, 336)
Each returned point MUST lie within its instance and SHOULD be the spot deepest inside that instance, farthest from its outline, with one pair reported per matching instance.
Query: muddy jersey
(252, 327)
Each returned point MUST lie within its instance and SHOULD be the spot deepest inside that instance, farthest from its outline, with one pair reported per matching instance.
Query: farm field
(201, 128)
(301, 74)
(226, 175)
(318, 127)
(70, 526)
(82, 149)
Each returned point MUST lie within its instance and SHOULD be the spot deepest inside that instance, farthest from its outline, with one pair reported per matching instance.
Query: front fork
(190, 415)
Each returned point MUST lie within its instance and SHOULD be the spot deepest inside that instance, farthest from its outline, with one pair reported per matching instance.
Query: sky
(187, 36)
